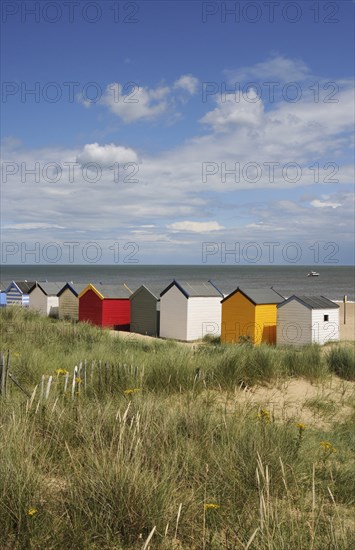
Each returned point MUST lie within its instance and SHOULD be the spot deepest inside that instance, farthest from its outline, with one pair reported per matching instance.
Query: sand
(144, 337)
(298, 400)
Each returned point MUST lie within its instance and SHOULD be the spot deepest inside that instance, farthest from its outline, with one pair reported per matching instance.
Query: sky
(177, 132)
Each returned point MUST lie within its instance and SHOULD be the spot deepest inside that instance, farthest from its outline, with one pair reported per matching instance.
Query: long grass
(341, 361)
(167, 466)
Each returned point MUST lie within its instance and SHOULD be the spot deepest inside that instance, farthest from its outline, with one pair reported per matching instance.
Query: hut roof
(195, 289)
(154, 288)
(259, 296)
(117, 292)
(76, 288)
(50, 288)
(4, 285)
(24, 286)
(313, 302)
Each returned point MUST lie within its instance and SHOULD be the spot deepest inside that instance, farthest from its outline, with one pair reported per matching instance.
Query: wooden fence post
(3, 375)
(74, 381)
(99, 367)
(106, 375)
(66, 378)
(18, 384)
(85, 367)
(7, 365)
(92, 372)
(42, 390)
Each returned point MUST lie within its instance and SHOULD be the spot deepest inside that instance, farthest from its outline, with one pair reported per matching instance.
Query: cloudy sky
(172, 132)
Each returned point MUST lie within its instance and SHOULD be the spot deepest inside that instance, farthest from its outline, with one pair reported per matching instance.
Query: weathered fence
(5, 374)
(87, 378)
(4, 368)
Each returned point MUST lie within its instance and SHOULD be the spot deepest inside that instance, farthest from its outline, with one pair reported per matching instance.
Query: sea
(334, 282)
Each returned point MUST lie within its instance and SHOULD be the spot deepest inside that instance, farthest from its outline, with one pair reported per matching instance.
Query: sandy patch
(132, 335)
(144, 337)
(300, 401)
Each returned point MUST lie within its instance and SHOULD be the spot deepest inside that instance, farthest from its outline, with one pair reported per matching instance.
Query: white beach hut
(44, 299)
(305, 320)
(190, 310)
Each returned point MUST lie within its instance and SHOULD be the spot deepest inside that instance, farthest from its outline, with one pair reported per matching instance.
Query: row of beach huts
(185, 311)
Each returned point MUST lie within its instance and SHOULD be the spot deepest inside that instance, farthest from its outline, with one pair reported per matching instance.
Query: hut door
(269, 334)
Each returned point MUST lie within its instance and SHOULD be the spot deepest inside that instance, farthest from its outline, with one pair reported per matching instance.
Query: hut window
(326, 317)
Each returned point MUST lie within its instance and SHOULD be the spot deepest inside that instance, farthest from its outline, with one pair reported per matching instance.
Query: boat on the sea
(313, 274)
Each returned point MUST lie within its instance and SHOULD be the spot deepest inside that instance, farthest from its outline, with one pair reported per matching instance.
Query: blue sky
(164, 75)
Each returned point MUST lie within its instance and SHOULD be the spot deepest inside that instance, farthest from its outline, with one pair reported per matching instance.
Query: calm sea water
(333, 281)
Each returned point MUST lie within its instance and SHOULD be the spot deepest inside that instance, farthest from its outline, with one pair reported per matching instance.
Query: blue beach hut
(2, 295)
(18, 293)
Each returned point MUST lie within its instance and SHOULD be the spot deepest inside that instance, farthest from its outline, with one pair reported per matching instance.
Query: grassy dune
(169, 465)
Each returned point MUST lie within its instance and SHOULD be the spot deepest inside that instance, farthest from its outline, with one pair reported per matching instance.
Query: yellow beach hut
(250, 314)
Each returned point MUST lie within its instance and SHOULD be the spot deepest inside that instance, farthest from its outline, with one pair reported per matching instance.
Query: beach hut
(2, 298)
(106, 305)
(17, 293)
(68, 301)
(145, 309)
(250, 314)
(190, 310)
(44, 297)
(4, 285)
(307, 320)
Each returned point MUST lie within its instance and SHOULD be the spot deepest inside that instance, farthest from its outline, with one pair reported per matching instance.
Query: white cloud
(276, 68)
(264, 227)
(106, 155)
(324, 204)
(195, 227)
(33, 226)
(133, 103)
(232, 112)
(300, 221)
(187, 82)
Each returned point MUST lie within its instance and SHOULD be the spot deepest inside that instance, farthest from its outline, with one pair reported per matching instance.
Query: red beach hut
(106, 306)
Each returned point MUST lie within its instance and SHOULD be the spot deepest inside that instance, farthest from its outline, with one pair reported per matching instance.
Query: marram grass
(150, 458)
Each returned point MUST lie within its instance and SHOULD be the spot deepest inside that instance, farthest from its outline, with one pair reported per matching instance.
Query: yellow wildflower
(131, 390)
(264, 415)
(327, 447)
(61, 372)
(211, 506)
(77, 380)
(301, 426)
(32, 512)
(17, 354)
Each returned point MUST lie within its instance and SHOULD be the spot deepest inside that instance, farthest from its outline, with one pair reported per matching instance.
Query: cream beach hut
(307, 320)
(190, 310)
(44, 298)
